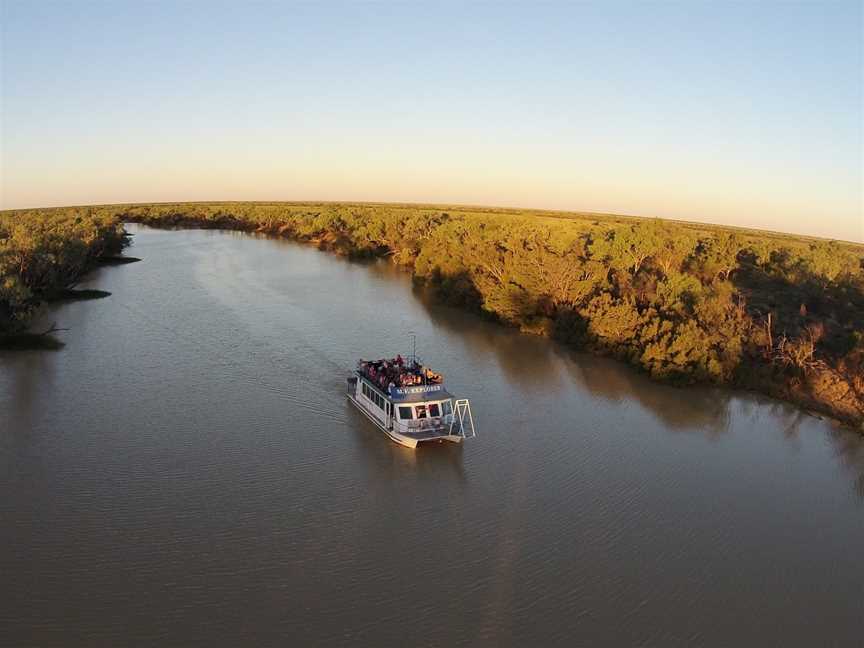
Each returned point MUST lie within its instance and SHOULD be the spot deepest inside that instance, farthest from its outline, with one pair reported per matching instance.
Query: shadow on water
(849, 450)
(392, 462)
(30, 342)
(692, 408)
(848, 446)
(32, 372)
(76, 294)
(535, 363)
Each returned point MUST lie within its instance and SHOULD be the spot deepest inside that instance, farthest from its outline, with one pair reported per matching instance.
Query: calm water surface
(188, 472)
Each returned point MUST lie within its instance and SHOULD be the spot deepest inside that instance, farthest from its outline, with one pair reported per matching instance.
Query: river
(188, 472)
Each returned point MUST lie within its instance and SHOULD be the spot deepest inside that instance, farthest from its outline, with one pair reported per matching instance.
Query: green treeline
(683, 301)
(44, 252)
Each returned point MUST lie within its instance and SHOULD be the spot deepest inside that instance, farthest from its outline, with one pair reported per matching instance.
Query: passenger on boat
(399, 360)
(408, 379)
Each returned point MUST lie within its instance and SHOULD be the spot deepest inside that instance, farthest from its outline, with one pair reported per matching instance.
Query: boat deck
(397, 372)
(427, 435)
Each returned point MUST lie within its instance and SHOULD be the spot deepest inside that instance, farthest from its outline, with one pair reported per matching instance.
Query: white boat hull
(401, 439)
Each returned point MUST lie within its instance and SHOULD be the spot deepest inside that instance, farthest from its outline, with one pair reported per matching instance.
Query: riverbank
(683, 302)
(43, 253)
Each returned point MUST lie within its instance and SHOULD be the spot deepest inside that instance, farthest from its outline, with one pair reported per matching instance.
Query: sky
(745, 114)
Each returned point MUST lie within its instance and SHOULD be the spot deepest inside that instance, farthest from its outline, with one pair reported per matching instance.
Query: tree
(718, 255)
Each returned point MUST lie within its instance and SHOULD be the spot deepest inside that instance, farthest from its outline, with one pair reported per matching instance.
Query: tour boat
(408, 402)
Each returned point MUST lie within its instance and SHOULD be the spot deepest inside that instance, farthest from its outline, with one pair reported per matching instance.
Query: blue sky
(741, 113)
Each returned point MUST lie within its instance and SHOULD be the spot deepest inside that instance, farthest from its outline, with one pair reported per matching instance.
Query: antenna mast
(414, 347)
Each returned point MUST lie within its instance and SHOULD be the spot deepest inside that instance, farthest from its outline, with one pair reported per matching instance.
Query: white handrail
(462, 416)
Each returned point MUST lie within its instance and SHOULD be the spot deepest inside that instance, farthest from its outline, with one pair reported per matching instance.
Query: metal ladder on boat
(462, 423)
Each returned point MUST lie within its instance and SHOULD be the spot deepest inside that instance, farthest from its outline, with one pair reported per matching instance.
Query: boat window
(405, 413)
(448, 409)
(421, 411)
(433, 410)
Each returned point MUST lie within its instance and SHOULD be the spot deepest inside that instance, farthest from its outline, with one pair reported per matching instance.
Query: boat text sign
(400, 392)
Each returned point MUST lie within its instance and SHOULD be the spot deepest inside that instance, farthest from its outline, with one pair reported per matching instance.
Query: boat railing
(428, 424)
(402, 375)
(459, 422)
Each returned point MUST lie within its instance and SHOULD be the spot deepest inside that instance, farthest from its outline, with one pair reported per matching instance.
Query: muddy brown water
(188, 472)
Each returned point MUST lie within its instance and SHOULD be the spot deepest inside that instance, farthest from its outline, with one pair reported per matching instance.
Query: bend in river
(187, 471)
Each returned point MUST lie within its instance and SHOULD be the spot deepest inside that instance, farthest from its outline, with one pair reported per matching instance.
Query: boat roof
(403, 381)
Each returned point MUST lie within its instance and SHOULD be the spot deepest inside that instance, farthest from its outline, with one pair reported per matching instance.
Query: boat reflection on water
(439, 462)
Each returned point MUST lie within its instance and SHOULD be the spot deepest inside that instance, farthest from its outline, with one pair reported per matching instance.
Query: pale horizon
(731, 114)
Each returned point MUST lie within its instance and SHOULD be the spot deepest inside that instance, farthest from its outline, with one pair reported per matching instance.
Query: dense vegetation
(44, 252)
(683, 301)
